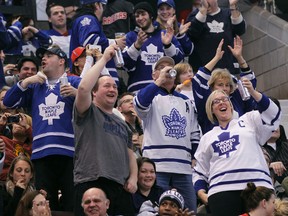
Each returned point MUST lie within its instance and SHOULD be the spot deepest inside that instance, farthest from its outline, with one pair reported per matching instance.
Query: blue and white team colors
(170, 128)
(228, 158)
(52, 125)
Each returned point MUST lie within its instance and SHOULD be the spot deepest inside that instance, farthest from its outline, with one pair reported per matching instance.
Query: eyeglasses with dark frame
(219, 100)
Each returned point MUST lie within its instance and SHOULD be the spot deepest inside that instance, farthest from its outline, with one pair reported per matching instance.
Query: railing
(270, 6)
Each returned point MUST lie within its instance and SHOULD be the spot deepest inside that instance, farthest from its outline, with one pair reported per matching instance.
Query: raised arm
(83, 98)
(235, 13)
(236, 50)
(219, 53)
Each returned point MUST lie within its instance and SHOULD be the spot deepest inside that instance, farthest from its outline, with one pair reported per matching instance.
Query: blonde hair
(212, 118)
(162, 25)
(181, 68)
(281, 207)
(221, 73)
(28, 119)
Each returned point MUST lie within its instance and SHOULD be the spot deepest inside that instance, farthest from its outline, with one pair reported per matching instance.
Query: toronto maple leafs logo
(175, 124)
(51, 109)
(216, 27)
(226, 144)
(152, 55)
(85, 21)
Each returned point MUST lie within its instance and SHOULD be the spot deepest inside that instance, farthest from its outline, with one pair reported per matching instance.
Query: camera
(94, 46)
(13, 119)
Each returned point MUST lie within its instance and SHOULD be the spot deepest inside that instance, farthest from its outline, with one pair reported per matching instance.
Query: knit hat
(144, 6)
(173, 196)
(84, 2)
(171, 3)
(76, 53)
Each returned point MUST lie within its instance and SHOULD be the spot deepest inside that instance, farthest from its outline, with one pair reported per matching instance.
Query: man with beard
(145, 45)
(87, 29)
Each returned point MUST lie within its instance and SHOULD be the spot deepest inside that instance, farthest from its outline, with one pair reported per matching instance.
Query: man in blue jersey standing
(87, 29)
(53, 136)
(145, 45)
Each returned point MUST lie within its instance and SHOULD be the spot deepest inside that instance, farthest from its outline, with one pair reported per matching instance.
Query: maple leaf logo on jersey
(51, 109)
(226, 144)
(151, 56)
(216, 27)
(175, 124)
(85, 21)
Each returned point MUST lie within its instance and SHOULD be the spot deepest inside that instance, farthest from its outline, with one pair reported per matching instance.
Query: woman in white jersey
(229, 156)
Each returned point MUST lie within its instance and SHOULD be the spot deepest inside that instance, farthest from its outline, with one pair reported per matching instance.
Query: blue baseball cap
(84, 2)
(171, 3)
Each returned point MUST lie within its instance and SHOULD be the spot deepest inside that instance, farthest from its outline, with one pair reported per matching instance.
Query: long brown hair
(9, 181)
(26, 203)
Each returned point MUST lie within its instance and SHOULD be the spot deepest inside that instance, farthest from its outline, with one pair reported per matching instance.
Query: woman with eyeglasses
(229, 156)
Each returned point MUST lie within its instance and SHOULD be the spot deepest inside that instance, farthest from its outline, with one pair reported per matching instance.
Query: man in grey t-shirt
(103, 146)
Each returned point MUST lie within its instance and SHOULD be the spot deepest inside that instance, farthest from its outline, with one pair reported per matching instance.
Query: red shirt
(12, 149)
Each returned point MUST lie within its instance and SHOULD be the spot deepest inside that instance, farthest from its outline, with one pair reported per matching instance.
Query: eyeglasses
(219, 100)
(126, 101)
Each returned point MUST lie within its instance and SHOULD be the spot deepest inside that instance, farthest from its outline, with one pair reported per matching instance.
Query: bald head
(95, 202)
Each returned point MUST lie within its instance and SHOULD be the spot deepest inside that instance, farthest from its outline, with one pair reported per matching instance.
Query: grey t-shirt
(101, 146)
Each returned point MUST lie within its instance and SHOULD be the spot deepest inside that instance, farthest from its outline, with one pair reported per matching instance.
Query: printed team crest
(216, 27)
(51, 109)
(85, 21)
(175, 124)
(226, 144)
(152, 55)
